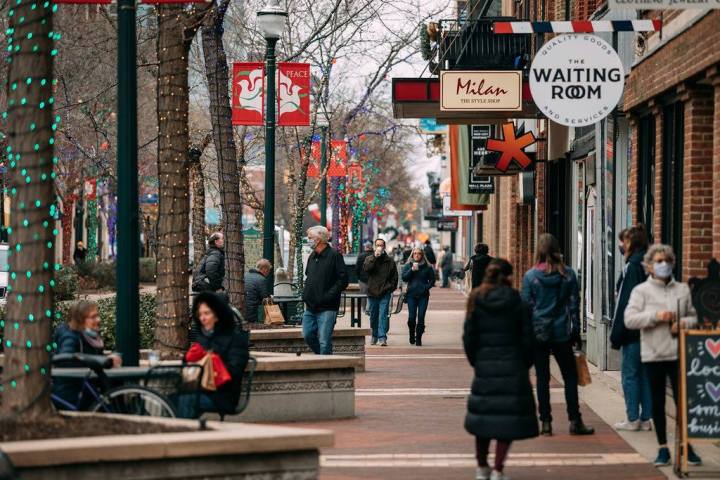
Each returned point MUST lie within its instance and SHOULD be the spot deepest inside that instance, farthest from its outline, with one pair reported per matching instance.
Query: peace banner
(293, 99)
(248, 97)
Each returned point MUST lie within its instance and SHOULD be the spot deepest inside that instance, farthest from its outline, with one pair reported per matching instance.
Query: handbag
(272, 313)
(583, 372)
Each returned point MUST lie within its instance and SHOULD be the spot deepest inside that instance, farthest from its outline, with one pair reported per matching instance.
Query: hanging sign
(472, 90)
(512, 148)
(248, 97)
(90, 189)
(314, 165)
(338, 158)
(293, 98)
(447, 210)
(479, 135)
(447, 224)
(576, 80)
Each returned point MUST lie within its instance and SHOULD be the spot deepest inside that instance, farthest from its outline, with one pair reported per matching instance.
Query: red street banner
(338, 158)
(314, 166)
(293, 100)
(248, 97)
(91, 189)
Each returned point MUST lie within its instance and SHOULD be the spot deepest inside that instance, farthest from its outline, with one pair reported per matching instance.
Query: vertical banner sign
(248, 97)
(91, 189)
(338, 158)
(293, 94)
(314, 166)
(479, 135)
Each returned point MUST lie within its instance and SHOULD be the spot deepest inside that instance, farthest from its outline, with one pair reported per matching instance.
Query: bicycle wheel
(134, 400)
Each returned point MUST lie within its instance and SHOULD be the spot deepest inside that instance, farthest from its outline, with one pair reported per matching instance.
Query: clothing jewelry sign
(479, 135)
(576, 80)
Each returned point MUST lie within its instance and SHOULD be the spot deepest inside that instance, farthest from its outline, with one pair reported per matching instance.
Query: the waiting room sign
(481, 91)
(576, 80)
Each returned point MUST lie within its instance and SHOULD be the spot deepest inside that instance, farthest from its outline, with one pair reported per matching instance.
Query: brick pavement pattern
(410, 407)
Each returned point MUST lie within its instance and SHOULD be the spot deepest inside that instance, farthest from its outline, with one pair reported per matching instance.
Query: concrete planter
(346, 341)
(227, 450)
(290, 388)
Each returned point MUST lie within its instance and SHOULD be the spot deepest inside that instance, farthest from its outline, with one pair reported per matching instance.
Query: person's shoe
(663, 457)
(418, 340)
(546, 428)
(482, 473)
(373, 341)
(495, 475)
(692, 457)
(645, 425)
(383, 342)
(412, 337)
(577, 427)
(628, 426)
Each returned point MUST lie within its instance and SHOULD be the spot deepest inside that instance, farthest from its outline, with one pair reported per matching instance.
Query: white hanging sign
(576, 80)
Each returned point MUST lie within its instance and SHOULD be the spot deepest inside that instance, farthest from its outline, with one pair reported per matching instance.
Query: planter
(224, 450)
(346, 341)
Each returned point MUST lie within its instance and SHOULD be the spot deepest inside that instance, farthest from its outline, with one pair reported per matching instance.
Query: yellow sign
(474, 90)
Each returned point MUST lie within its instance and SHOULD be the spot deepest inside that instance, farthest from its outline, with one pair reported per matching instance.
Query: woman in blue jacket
(551, 288)
(420, 278)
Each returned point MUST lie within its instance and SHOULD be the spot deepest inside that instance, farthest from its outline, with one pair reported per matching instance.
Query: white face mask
(662, 270)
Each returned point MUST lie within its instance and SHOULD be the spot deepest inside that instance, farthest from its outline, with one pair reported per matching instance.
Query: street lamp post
(271, 20)
(323, 121)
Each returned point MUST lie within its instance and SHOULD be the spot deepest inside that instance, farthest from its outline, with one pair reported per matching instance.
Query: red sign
(293, 99)
(314, 166)
(355, 177)
(511, 148)
(338, 158)
(248, 97)
(91, 189)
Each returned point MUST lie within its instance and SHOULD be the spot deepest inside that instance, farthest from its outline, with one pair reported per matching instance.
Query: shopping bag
(583, 372)
(272, 313)
(207, 382)
(197, 355)
(220, 373)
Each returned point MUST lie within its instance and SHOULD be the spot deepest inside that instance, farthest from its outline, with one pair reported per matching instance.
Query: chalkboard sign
(702, 373)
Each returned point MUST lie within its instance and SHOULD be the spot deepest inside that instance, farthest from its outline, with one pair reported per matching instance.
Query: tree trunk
(171, 330)
(216, 70)
(66, 224)
(197, 180)
(30, 305)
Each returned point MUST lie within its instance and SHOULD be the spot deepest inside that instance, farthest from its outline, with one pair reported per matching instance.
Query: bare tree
(197, 182)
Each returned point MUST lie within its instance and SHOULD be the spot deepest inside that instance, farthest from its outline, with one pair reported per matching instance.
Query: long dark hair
(219, 306)
(497, 274)
(548, 252)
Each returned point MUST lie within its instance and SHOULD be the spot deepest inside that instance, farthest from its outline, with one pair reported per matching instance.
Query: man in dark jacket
(429, 253)
(446, 266)
(210, 273)
(325, 280)
(256, 288)
(362, 276)
(80, 253)
(382, 281)
(478, 263)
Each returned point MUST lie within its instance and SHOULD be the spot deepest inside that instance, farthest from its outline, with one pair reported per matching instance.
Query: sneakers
(482, 473)
(577, 427)
(692, 457)
(546, 428)
(663, 457)
(628, 426)
(383, 342)
(645, 425)
(373, 341)
(495, 475)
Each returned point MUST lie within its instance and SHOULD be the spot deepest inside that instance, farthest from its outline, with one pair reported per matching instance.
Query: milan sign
(576, 80)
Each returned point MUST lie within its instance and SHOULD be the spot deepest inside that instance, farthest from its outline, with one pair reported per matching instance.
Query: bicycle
(124, 399)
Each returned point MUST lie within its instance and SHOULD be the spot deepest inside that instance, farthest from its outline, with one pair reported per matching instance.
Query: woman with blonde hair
(420, 278)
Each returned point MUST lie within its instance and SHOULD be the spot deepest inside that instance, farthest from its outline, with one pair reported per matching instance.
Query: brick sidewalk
(410, 406)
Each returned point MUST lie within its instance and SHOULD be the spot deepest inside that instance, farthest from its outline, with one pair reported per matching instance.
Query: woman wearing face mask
(80, 334)
(655, 308)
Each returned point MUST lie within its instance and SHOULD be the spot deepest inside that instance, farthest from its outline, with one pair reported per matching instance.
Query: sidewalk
(410, 406)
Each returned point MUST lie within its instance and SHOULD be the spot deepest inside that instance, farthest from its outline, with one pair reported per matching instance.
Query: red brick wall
(698, 182)
(716, 167)
(633, 180)
(683, 57)
(657, 214)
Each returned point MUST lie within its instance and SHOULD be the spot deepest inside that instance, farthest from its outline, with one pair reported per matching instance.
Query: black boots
(418, 339)
(411, 329)
(546, 428)
(416, 333)
(577, 427)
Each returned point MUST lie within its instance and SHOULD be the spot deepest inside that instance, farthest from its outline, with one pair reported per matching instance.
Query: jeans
(635, 384)
(379, 319)
(417, 306)
(565, 359)
(318, 330)
(446, 277)
(363, 301)
(658, 374)
(191, 405)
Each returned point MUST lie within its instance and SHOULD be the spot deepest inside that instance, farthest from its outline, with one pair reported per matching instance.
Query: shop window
(672, 178)
(646, 173)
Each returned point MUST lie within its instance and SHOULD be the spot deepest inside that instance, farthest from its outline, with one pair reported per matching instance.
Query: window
(672, 180)
(646, 173)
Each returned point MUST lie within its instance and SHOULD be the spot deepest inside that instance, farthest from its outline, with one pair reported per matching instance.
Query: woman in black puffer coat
(501, 404)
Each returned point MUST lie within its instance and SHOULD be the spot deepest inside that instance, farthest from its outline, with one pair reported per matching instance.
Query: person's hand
(116, 360)
(664, 316)
(378, 251)
(415, 266)
(674, 328)
(576, 340)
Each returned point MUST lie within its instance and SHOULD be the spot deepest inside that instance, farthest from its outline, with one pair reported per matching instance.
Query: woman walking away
(420, 278)
(635, 383)
(653, 308)
(478, 263)
(551, 288)
(498, 344)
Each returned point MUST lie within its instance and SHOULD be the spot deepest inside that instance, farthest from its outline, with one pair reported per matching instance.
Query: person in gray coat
(256, 288)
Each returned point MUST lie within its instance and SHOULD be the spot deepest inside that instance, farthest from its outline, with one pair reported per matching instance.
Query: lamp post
(323, 121)
(271, 20)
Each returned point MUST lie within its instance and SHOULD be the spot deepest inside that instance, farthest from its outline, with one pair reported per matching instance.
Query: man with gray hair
(256, 288)
(210, 273)
(325, 280)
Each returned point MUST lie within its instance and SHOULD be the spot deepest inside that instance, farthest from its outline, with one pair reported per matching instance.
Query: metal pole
(128, 301)
(323, 181)
(269, 216)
